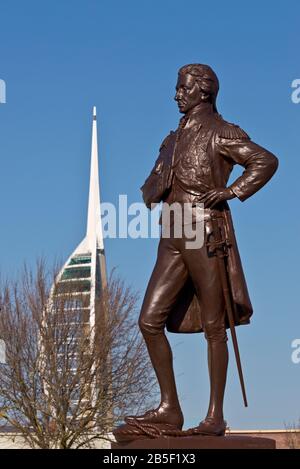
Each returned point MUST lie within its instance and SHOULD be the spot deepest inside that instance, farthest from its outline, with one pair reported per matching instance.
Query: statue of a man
(185, 293)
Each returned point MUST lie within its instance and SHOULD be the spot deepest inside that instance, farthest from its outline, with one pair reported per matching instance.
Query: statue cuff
(237, 192)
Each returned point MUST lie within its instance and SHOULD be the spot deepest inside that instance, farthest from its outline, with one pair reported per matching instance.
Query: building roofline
(284, 430)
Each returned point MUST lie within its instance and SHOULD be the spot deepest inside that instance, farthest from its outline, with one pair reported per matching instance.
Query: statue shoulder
(167, 140)
(230, 131)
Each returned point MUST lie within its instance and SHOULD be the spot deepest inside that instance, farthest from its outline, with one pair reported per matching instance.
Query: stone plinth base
(199, 442)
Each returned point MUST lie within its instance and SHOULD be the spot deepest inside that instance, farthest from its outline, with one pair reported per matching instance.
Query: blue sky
(60, 58)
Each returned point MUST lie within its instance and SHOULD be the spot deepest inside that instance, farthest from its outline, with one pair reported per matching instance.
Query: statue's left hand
(215, 196)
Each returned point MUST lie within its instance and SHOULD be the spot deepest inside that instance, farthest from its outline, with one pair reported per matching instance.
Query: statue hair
(206, 78)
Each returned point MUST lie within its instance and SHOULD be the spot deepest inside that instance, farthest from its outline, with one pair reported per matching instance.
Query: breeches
(174, 265)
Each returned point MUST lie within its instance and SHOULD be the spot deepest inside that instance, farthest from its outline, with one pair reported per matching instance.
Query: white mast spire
(94, 226)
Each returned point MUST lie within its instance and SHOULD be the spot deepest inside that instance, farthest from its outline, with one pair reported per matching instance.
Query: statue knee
(148, 327)
(215, 332)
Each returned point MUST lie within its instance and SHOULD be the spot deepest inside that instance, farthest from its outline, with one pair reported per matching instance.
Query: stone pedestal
(199, 442)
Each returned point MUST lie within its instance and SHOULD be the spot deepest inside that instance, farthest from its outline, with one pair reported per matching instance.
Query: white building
(84, 273)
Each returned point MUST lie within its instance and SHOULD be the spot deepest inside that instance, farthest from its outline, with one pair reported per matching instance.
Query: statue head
(197, 83)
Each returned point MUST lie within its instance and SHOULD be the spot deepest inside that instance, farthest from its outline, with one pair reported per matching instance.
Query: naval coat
(226, 145)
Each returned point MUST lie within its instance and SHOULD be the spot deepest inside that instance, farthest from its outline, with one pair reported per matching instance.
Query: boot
(161, 415)
(212, 427)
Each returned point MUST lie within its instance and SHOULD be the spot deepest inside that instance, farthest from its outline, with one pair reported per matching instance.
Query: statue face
(188, 93)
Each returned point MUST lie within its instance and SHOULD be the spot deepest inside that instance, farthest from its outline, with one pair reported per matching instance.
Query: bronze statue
(187, 291)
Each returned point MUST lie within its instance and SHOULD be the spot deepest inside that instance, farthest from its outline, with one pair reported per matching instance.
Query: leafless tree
(66, 384)
(293, 435)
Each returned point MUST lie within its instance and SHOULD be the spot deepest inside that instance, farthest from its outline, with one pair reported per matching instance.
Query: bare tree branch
(65, 385)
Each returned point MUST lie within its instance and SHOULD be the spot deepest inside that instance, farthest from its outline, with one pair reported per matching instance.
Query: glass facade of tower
(75, 281)
(81, 283)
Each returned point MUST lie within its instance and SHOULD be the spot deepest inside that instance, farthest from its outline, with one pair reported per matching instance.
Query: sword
(220, 246)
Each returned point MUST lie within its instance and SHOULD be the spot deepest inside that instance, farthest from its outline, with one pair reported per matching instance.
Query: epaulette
(165, 141)
(231, 131)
